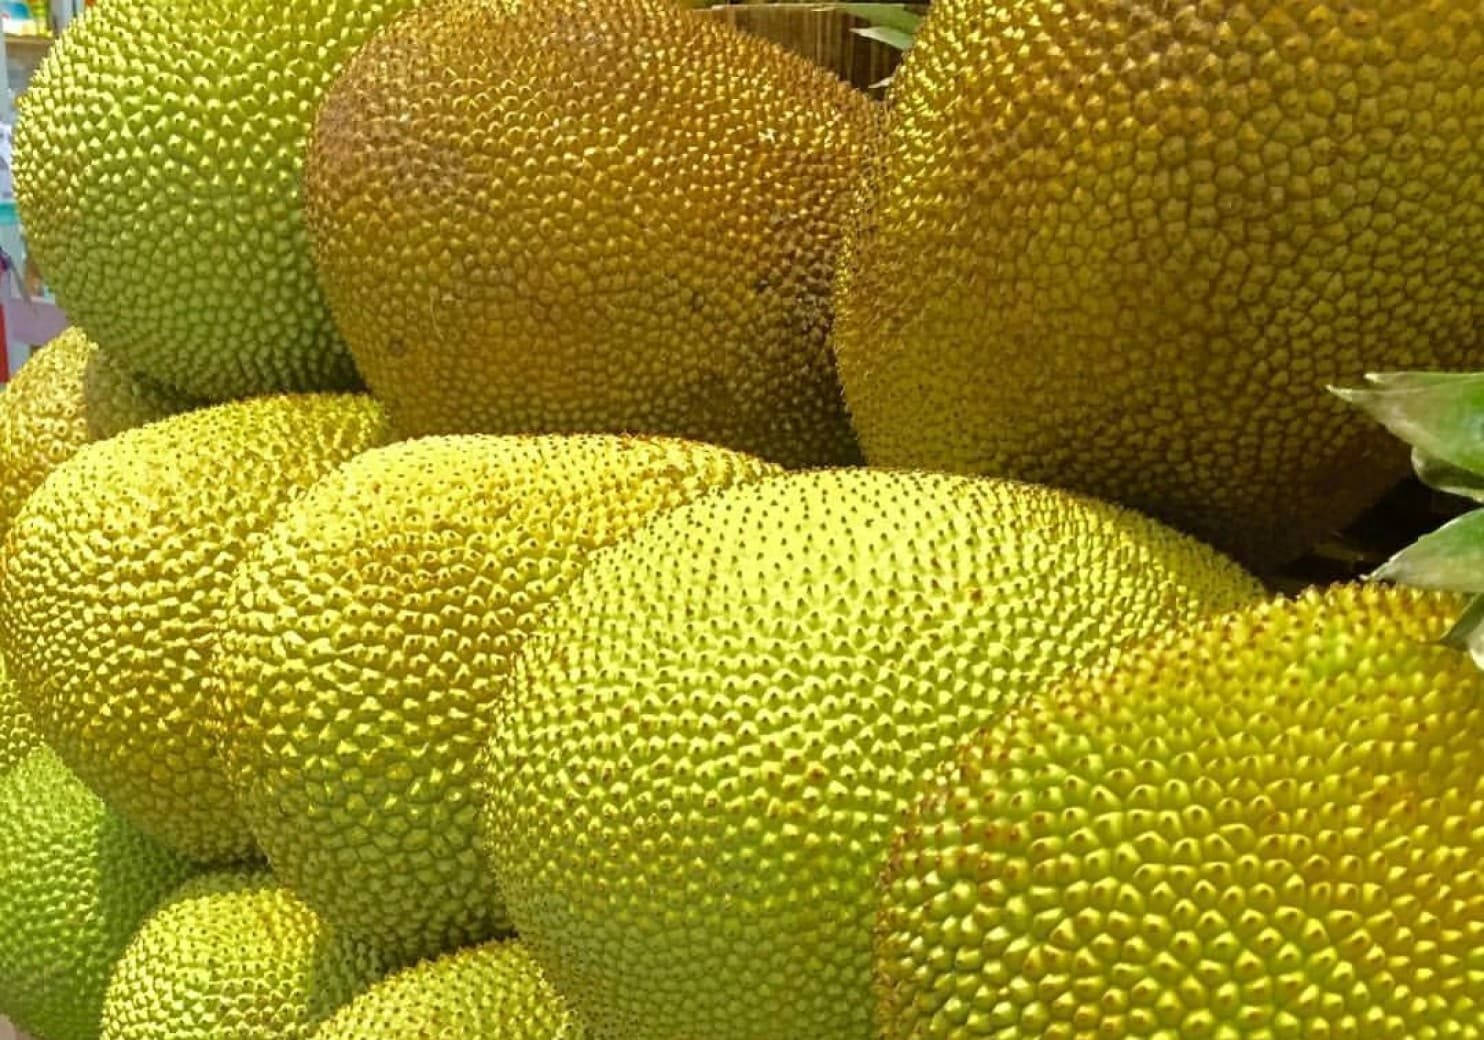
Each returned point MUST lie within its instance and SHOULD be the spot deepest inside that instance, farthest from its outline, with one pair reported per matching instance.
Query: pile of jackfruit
(560, 519)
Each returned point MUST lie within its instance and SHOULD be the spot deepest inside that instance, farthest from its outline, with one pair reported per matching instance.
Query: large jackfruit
(364, 640)
(115, 575)
(489, 992)
(234, 956)
(157, 168)
(66, 395)
(1123, 245)
(18, 736)
(75, 882)
(692, 782)
(605, 216)
(1269, 826)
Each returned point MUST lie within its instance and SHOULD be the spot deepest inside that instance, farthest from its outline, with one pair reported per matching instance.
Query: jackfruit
(691, 784)
(489, 992)
(75, 882)
(364, 639)
(67, 394)
(613, 216)
(18, 736)
(152, 140)
(115, 575)
(1268, 826)
(1123, 247)
(233, 956)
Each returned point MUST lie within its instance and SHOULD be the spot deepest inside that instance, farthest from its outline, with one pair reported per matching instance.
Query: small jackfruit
(234, 956)
(1124, 246)
(1267, 826)
(151, 139)
(489, 992)
(610, 216)
(18, 736)
(692, 781)
(75, 882)
(115, 575)
(67, 394)
(367, 634)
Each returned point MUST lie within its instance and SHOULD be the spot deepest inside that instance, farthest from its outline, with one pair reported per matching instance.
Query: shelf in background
(28, 43)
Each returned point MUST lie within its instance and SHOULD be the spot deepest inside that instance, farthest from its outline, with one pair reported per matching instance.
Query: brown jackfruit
(599, 216)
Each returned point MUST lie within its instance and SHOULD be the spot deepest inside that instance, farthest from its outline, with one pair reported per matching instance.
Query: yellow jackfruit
(116, 573)
(691, 784)
(1123, 245)
(66, 395)
(75, 882)
(157, 169)
(18, 736)
(365, 637)
(605, 216)
(234, 956)
(489, 992)
(1268, 826)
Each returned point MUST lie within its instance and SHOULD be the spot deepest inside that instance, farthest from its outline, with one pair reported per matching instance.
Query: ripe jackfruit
(233, 956)
(152, 141)
(75, 882)
(68, 394)
(18, 736)
(490, 992)
(1270, 826)
(612, 216)
(367, 634)
(692, 782)
(115, 576)
(1123, 247)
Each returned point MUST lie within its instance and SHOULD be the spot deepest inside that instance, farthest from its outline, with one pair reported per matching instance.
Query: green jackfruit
(489, 992)
(1268, 826)
(66, 395)
(75, 882)
(156, 140)
(115, 575)
(692, 780)
(234, 956)
(608, 216)
(367, 634)
(1123, 246)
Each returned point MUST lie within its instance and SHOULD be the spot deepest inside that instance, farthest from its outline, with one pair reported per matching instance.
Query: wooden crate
(822, 36)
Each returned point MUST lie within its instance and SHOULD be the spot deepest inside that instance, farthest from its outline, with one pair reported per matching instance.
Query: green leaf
(1467, 633)
(1412, 380)
(1451, 559)
(1439, 413)
(1444, 476)
(902, 41)
(890, 16)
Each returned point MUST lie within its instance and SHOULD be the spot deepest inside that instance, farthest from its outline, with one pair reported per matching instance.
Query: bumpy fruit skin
(1270, 826)
(68, 394)
(75, 882)
(157, 164)
(115, 574)
(18, 736)
(367, 635)
(490, 992)
(692, 783)
(603, 216)
(1122, 246)
(234, 956)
